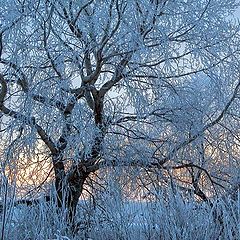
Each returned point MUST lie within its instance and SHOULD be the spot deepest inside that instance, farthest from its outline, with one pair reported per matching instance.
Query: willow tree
(115, 82)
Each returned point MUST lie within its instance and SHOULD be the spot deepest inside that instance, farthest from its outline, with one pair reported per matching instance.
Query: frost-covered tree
(90, 84)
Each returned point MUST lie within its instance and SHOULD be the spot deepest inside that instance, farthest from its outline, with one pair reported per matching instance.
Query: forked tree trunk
(75, 184)
(69, 189)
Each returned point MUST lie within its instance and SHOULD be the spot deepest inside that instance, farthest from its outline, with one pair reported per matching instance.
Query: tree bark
(69, 187)
(60, 175)
(75, 182)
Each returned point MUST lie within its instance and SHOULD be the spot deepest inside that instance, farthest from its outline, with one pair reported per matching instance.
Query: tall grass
(113, 217)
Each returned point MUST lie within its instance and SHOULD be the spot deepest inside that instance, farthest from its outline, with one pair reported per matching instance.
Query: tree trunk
(60, 175)
(75, 184)
(69, 188)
